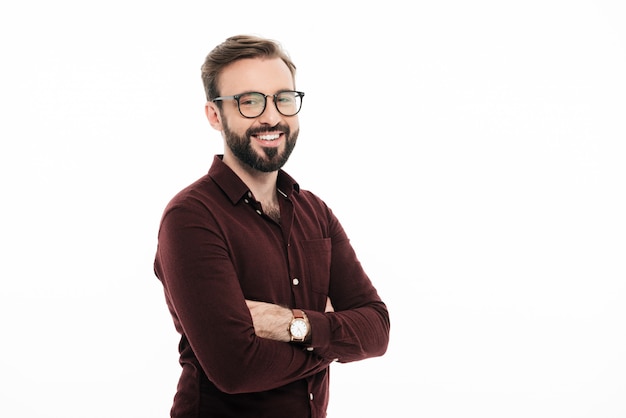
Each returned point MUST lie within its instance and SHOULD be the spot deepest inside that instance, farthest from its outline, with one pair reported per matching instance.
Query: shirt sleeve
(359, 328)
(209, 309)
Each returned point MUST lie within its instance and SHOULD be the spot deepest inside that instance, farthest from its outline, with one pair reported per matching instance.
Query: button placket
(249, 199)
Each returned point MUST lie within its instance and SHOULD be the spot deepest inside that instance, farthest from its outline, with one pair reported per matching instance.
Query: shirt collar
(236, 189)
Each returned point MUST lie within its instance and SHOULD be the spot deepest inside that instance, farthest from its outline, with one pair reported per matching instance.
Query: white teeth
(268, 137)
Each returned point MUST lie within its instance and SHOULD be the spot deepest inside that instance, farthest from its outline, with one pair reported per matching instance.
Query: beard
(271, 159)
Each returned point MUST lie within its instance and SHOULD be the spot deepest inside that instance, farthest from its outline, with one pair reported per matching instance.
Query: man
(259, 276)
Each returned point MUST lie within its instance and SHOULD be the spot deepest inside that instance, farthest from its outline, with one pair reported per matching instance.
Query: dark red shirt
(217, 248)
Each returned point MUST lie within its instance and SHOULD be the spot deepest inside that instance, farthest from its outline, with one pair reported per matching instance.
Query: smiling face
(263, 143)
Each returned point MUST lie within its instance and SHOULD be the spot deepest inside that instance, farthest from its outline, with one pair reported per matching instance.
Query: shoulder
(198, 200)
(310, 197)
(313, 207)
(196, 192)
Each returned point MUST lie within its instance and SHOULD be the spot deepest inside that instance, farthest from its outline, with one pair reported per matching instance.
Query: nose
(270, 115)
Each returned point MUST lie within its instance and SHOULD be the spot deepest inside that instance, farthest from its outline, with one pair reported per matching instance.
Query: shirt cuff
(320, 330)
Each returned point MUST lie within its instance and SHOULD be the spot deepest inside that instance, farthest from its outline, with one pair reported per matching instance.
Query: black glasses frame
(236, 97)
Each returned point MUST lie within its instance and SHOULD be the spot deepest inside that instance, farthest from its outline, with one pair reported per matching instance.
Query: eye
(286, 98)
(251, 99)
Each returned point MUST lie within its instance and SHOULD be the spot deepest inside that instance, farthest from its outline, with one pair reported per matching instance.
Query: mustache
(261, 130)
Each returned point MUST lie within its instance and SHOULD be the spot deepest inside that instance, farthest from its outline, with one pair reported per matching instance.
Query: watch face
(298, 328)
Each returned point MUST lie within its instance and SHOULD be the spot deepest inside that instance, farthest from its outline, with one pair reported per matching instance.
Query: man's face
(263, 143)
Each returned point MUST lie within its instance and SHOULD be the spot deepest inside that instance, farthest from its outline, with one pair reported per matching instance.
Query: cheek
(294, 127)
(235, 125)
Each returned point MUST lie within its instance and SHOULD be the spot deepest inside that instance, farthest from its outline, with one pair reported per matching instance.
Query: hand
(270, 321)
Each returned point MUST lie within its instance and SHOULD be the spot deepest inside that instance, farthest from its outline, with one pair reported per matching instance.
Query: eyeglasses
(252, 105)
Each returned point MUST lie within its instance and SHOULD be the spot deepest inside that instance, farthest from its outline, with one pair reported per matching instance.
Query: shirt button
(311, 396)
(259, 212)
(246, 200)
(295, 282)
(250, 194)
(309, 349)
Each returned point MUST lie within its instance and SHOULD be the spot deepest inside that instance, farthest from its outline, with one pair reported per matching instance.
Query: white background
(474, 152)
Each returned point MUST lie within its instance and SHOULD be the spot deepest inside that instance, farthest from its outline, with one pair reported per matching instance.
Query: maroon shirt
(216, 248)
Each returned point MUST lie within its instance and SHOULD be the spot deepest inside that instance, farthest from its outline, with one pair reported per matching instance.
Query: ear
(213, 115)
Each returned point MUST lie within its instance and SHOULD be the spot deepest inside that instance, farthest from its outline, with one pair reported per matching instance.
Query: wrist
(299, 327)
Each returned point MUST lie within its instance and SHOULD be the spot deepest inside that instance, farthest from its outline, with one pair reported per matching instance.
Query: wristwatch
(298, 328)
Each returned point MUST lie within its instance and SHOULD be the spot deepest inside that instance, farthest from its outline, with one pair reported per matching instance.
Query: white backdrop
(473, 150)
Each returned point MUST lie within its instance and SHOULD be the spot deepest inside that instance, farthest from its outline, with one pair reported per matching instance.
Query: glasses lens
(288, 102)
(251, 105)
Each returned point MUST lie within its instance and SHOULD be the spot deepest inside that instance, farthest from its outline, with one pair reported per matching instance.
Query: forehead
(266, 75)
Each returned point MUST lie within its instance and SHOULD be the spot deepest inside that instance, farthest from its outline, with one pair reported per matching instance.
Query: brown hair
(236, 48)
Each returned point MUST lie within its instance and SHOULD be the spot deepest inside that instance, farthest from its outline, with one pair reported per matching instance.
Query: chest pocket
(317, 256)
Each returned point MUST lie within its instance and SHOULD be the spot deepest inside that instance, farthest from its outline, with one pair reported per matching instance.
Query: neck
(261, 184)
